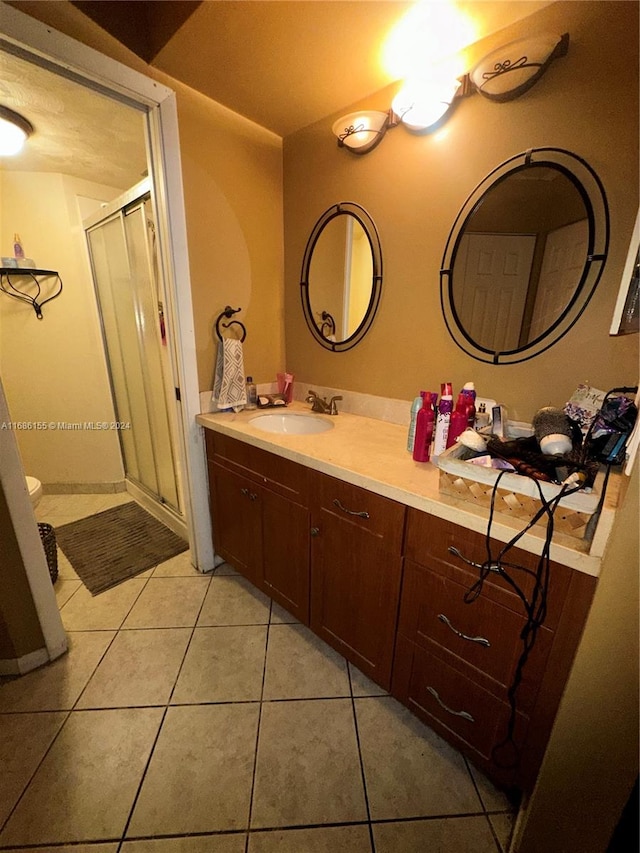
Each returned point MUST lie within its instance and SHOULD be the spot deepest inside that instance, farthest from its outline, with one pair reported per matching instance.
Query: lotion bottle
(459, 419)
(18, 251)
(443, 420)
(424, 428)
(415, 408)
(469, 390)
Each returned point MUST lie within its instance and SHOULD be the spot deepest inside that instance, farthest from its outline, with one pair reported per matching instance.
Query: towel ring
(229, 312)
(327, 323)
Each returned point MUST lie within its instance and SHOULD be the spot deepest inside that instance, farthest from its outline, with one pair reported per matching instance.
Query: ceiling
(76, 130)
(288, 63)
(281, 63)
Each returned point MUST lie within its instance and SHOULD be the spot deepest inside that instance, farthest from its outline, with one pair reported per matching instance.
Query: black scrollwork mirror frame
(320, 327)
(591, 190)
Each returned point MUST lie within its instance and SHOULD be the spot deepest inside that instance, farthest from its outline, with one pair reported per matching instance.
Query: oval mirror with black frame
(341, 278)
(524, 256)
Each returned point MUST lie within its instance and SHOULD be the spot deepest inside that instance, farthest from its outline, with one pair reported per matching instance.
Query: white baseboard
(84, 488)
(24, 664)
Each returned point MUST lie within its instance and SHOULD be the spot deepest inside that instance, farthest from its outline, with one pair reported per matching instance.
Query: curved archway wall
(413, 186)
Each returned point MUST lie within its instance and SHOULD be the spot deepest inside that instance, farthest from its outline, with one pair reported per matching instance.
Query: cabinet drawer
(428, 540)
(282, 476)
(433, 614)
(382, 517)
(220, 447)
(456, 707)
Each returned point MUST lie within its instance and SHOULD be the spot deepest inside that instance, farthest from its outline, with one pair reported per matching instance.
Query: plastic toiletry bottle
(445, 407)
(424, 428)
(18, 251)
(252, 396)
(469, 390)
(459, 418)
(415, 408)
(483, 418)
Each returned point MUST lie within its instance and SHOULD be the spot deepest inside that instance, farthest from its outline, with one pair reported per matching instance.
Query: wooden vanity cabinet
(455, 661)
(356, 569)
(260, 517)
(378, 582)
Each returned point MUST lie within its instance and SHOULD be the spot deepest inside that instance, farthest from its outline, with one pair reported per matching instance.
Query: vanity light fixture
(362, 131)
(14, 130)
(423, 104)
(509, 71)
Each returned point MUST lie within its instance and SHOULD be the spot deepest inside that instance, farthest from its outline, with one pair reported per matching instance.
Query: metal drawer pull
(482, 641)
(494, 567)
(337, 503)
(465, 714)
(244, 491)
(251, 495)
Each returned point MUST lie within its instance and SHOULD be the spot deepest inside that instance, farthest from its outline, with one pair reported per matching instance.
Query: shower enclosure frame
(153, 497)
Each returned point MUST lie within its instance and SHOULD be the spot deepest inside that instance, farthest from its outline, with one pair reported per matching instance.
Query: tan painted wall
(413, 186)
(54, 369)
(232, 174)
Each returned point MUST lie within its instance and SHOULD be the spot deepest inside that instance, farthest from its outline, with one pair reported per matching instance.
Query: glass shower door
(121, 250)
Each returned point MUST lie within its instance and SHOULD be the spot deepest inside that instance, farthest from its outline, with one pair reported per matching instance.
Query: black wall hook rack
(228, 313)
(8, 287)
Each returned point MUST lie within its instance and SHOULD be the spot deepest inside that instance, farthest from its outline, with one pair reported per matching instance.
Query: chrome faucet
(320, 404)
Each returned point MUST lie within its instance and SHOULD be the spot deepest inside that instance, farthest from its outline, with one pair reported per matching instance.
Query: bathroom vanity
(354, 539)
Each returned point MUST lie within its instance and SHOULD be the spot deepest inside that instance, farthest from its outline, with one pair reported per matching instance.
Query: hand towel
(229, 389)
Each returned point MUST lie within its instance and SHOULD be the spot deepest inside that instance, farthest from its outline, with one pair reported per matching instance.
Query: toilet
(35, 490)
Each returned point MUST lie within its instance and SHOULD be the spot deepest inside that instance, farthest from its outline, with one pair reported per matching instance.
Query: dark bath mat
(111, 546)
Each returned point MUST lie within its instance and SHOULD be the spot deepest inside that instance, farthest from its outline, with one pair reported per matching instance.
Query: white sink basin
(289, 423)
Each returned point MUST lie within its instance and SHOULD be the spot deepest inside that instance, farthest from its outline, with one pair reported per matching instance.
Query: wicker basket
(516, 496)
(48, 537)
(513, 504)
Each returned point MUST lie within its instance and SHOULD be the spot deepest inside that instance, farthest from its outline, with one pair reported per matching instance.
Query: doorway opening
(61, 371)
(44, 47)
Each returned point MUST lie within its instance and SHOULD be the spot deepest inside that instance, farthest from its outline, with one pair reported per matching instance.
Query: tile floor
(193, 714)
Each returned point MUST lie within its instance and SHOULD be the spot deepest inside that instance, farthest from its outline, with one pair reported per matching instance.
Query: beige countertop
(372, 454)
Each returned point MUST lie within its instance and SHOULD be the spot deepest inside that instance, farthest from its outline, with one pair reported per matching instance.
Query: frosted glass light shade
(14, 129)
(361, 131)
(510, 70)
(420, 106)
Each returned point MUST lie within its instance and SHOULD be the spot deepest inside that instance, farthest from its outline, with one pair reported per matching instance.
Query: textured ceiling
(76, 130)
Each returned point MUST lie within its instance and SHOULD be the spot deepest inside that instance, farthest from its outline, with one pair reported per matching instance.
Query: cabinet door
(461, 711)
(236, 519)
(355, 575)
(285, 558)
